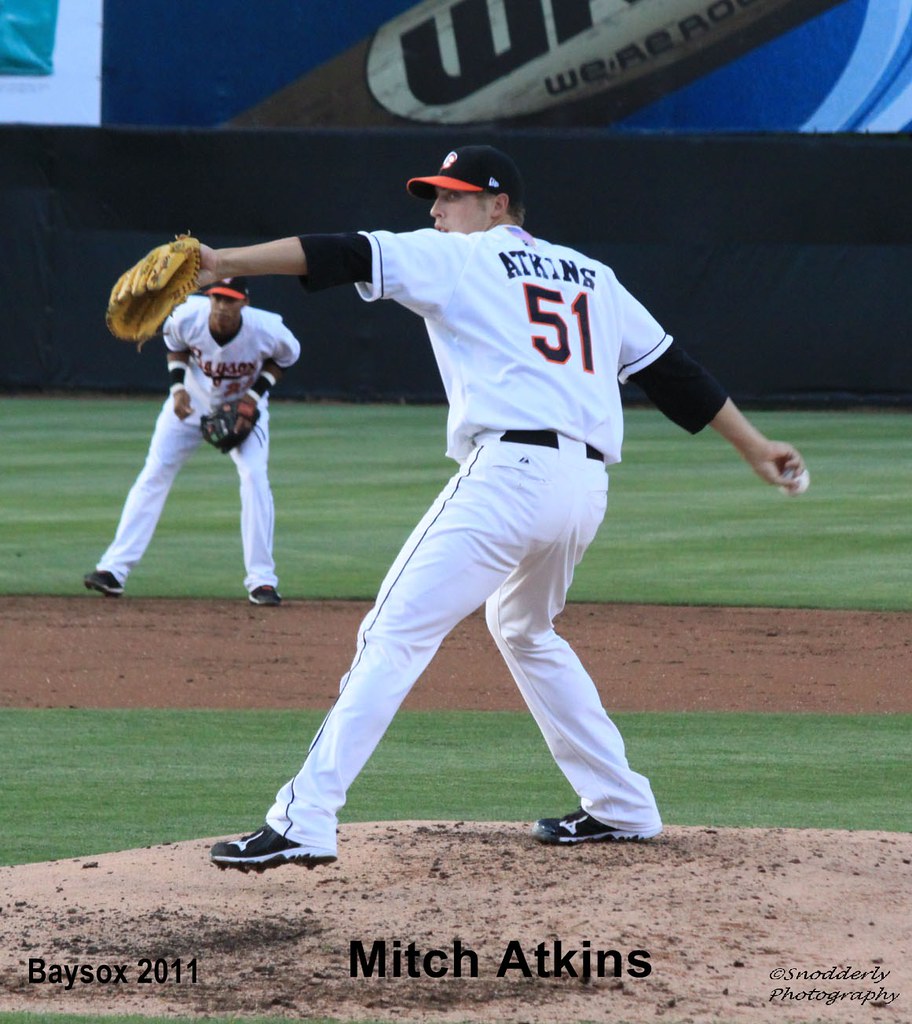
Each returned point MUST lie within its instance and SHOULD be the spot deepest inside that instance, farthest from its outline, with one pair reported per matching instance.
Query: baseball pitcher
(533, 340)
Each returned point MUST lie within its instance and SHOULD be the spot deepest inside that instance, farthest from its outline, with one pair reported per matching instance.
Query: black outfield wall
(784, 263)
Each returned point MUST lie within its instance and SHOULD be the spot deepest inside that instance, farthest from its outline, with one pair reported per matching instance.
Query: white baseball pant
(508, 529)
(173, 442)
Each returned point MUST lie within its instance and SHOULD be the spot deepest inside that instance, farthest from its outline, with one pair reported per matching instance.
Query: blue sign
(624, 65)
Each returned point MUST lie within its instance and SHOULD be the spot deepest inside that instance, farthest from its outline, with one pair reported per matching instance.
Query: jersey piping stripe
(389, 591)
(626, 366)
(382, 280)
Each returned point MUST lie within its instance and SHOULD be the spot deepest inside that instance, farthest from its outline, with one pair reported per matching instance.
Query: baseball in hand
(800, 485)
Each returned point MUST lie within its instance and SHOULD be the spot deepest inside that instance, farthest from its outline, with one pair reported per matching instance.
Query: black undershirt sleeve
(336, 259)
(681, 389)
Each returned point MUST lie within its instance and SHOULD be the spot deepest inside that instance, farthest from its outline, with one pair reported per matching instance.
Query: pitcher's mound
(476, 922)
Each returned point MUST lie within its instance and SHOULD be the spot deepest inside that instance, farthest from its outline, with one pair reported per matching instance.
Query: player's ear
(501, 204)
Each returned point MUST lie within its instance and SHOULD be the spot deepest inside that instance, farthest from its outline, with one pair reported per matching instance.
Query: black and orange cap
(472, 169)
(232, 287)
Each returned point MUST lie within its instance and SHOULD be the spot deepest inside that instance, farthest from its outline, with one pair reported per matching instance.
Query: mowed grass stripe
(81, 782)
(687, 522)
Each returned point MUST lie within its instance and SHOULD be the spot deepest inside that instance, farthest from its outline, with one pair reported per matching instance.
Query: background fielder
(219, 348)
(531, 339)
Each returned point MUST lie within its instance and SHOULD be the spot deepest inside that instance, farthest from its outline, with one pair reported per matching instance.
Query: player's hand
(182, 406)
(777, 463)
(246, 415)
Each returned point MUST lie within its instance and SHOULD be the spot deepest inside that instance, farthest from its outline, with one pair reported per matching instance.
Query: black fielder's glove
(230, 423)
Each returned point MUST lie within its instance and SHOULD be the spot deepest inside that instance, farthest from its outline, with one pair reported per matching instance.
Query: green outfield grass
(114, 780)
(688, 522)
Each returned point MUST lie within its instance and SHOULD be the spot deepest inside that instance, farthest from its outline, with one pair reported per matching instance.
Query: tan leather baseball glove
(145, 295)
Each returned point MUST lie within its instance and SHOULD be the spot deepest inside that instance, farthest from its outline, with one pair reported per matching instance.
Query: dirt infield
(100, 652)
(699, 925)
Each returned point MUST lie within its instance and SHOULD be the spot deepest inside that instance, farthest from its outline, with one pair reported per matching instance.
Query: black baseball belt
(545, 439)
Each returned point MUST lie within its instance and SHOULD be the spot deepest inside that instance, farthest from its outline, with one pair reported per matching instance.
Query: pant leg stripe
(379, 609)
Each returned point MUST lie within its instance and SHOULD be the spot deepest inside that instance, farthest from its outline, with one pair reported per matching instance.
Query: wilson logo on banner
(465, 61)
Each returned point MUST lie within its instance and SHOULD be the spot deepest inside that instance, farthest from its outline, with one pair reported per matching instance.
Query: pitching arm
(776, 462)
(691, 397)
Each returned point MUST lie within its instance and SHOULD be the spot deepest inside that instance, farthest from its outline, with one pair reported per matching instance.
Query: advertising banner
(631, 65)
(620, 65)
(50, 62)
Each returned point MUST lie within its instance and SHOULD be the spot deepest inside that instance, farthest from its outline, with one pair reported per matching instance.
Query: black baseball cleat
(104, 582)
(264, 849)
(264, 595)
(581, 827)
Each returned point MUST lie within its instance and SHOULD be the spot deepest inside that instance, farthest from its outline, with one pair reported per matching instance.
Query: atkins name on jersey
(522, 263)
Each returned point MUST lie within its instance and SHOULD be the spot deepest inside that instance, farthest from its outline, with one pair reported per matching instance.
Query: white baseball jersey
(528, 335)
(219, 372)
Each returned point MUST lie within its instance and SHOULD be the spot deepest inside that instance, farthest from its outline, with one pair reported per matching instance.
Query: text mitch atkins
(383, 959)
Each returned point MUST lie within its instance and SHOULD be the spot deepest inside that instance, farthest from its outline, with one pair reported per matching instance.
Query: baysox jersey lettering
(526, 333)
(219, 372)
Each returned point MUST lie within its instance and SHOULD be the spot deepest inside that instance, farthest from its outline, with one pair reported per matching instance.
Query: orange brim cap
(425, 188)
(230, 293)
